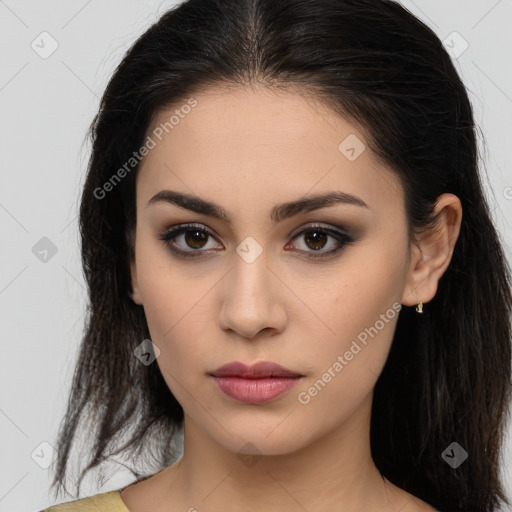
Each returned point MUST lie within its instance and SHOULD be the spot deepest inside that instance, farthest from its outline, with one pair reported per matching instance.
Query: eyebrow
(279, 212)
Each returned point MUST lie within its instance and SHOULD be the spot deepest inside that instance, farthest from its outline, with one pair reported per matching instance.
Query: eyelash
(167, 237)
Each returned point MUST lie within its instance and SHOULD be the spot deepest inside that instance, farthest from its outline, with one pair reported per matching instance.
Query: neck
(332, 470)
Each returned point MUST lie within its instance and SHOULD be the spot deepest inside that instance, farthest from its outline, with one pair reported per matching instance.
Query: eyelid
(177, 230)
(319, 225)
(342, 236)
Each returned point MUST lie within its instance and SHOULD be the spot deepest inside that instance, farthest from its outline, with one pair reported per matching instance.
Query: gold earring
(419, 307)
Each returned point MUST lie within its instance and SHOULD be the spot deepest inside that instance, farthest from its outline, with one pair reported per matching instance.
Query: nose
(249, 302)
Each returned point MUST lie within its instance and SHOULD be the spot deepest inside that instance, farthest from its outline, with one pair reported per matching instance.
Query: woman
(289, 255)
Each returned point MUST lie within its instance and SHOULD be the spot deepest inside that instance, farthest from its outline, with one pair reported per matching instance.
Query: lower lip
(255, 391)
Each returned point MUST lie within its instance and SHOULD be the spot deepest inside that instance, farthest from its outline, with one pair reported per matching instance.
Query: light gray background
(46, 106)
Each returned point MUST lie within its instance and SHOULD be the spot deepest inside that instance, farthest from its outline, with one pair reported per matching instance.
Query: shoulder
(106, 502)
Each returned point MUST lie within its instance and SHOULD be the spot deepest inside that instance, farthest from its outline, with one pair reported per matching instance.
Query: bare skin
(248, 150)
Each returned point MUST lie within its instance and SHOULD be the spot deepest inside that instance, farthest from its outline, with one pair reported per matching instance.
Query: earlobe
(135, 294)
(432, 252)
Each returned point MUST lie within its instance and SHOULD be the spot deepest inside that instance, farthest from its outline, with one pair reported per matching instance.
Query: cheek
(178, 309)
(170, 299)
(165, 287)
(358, 312)
(172, 314)
(345, 368)
(352, 296)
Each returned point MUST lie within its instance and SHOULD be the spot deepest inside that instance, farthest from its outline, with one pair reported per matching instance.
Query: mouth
(259, 383)
(259, 370)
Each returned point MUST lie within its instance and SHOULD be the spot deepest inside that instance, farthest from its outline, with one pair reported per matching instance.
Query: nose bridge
(250, 283)
(249, 303)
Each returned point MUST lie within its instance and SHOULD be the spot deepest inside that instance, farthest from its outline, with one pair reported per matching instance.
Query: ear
(431, 252)
(135, 294)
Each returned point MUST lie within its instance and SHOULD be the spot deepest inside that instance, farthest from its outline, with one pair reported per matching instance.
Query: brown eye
(316, 239)
(191, 241)
(196, 239)
(188, 240)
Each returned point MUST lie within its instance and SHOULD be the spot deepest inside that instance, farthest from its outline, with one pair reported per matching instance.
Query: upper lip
(257, 370)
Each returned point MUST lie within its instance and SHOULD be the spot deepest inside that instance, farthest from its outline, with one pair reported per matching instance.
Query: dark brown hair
(447, 377)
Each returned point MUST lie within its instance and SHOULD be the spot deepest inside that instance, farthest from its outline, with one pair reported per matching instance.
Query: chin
(258, 442)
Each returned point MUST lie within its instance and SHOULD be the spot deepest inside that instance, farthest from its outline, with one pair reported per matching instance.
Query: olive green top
(106, 502)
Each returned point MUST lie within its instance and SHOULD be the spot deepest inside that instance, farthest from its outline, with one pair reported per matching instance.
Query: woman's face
(315, 287)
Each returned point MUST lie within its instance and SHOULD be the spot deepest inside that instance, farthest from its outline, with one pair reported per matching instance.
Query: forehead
(255, 118)
(265, 144)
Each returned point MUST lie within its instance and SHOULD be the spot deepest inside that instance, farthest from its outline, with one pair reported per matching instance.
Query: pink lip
(258, 383)
(254, 371)
(255, 391)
